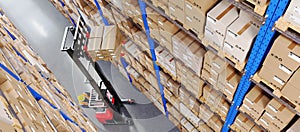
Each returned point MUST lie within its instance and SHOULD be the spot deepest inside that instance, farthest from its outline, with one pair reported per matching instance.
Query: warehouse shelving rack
(201, 101)
(261, 46)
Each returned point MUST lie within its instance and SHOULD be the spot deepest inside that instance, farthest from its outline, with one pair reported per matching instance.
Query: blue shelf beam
(142, 5)
(261, 46)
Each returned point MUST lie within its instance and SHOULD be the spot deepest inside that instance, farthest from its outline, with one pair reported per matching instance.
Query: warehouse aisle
(43, 27)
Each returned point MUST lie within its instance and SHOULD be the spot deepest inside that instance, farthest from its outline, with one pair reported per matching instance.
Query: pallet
(260, 80)
(277, 93)
(238, 65)
(190, 29)
(259, 9)
(284, 25)
(166, 71)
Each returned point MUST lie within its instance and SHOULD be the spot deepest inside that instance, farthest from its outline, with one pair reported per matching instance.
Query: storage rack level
(192, 35)
(267, 90)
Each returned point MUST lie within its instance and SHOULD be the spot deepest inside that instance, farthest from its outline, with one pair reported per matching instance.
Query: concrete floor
(43, 27)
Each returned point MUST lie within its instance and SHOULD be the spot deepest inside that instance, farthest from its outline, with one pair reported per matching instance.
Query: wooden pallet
(277, 93)
(284, 25)
(260, 80)
(190, 29)
(238, 65)
(259, 9)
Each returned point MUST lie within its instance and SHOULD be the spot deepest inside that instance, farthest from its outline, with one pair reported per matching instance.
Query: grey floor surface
(43, 27)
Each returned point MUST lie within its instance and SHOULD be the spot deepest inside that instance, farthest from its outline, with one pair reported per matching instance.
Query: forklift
(103, 98)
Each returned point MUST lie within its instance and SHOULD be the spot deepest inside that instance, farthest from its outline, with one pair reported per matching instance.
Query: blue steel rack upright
(142, 5)
(260, 49)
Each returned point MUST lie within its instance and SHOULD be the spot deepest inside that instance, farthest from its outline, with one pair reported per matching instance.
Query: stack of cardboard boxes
(284, 61)
(220, 74)
(244, 28)
(166, 31)
(276, 116)
(188, 51)
(189, 80)
(176, 9)
(255, 102)
(195, 14)
(217, 21)
(104, 49)
(166, 61)
(243, 124)
(291, 17)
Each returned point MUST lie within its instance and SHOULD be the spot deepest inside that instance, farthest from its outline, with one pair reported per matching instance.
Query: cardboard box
(292, 93)
(244, 28)
(279, 113)
(267, 124)
(204, 113)
(204, 5)
(194, 18)
(204, 127)
(167, 29)
(6, 127)
(181, 41)
(285, 52)
(215, 123)
(255, 102)
(176, 11)
(292, 14)
(243, 123)
(217, 21)
(272, 77)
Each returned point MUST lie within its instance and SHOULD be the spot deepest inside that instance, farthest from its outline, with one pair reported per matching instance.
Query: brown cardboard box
(292, 15)
(287, 53)
(184, 96)
(292, 93)
(280, 114)
(244, 28)
(217, 21)
(194, 18)
(267, 124)
(294, 80)
(256, 101)
(215, 123)
(167, 29)
(177, 10)
(203, 127)
(204, 5)
(294, 127)
(272, 77)
(6, 127)
(204, 113)
(243, 123)
(223, 107)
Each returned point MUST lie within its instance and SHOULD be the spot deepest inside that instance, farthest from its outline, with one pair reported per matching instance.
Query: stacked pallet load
(31, 95)
(104, 42)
